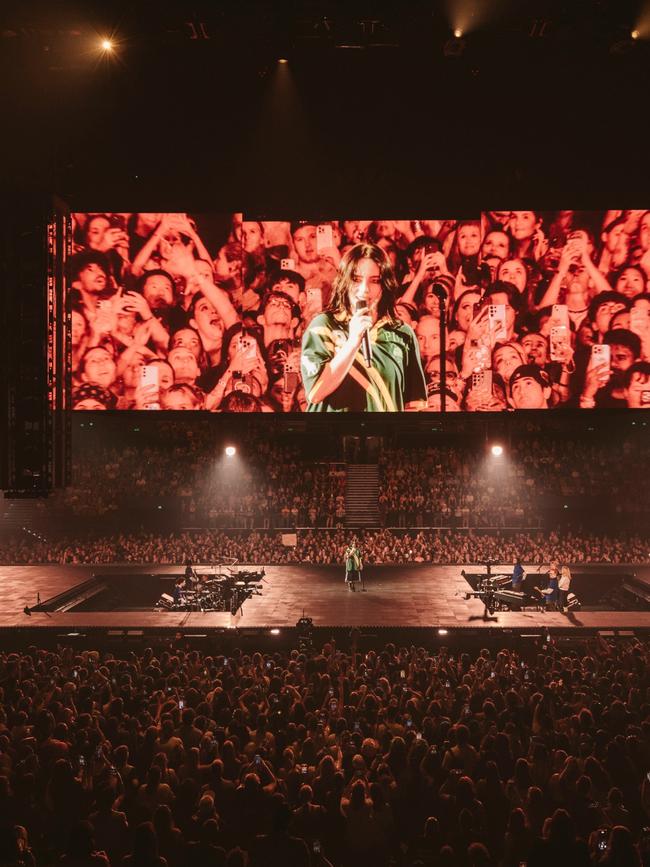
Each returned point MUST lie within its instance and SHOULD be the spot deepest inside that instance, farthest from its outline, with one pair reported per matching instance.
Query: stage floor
(417, 596)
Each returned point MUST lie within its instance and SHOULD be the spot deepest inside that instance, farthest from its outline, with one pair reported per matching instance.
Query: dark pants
(353, 576)
(564, 598)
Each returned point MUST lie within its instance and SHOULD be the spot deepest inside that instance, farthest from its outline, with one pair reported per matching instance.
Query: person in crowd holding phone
(353, 564)
(174, 235)
(577, 280)
(107, 234)
(316, 256)
(604, 381)
(426, 264)
(602, 309)
(286, 393)
(485, 392)
(337, 376)
(616, 245)
(463, 309)
(243, 367)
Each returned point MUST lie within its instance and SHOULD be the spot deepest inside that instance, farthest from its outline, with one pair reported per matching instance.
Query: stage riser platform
(418, 597)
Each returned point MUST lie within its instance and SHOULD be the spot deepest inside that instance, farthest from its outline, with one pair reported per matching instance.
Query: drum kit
(492, 591)
(214, 591)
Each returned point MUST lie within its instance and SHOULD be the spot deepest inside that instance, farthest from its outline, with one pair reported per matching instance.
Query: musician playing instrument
(551, 592)
(178, 590)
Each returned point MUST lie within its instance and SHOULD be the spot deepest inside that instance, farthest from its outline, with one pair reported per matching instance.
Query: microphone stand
(442, 298)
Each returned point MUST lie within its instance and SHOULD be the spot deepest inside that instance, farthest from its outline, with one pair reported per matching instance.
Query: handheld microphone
(366, 346)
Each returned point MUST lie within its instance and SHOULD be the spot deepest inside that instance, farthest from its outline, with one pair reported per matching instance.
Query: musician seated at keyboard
(176, 592)
(518, 576)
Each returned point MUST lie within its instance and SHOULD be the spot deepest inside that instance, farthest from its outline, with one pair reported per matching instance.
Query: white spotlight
(231, 451)
(458, 33)
(635, 34)
(282, 60)
(275, 632)
(107, 45)
(443, 631)
(497, 451)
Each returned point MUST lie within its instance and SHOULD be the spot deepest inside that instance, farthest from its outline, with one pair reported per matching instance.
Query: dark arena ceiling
(380, 104)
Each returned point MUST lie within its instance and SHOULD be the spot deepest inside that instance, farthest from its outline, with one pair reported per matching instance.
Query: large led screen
(223, 313)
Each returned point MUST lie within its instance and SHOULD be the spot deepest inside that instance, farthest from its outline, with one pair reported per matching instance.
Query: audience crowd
(270, 483)
(180, 312)
(328, 547)
(532, 481)
(398, 757)
(275, 483)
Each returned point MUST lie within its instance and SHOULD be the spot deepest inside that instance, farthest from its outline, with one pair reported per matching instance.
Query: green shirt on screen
(394, 379)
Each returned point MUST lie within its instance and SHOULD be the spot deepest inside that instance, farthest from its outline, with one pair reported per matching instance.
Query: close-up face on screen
(221, 313)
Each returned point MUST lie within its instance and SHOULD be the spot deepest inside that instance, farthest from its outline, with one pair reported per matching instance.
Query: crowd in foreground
(327, 547)
(393, 758)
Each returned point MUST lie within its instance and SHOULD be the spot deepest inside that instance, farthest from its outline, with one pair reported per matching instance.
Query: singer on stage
(353, 564)
(358, 356)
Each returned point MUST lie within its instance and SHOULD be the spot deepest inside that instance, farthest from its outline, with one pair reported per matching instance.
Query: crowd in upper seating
(437, 486)
(277, 483)
(271, 483)
(328, 547)
(398, 757)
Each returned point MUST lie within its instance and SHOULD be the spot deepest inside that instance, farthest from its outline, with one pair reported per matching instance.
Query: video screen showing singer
(357, 356)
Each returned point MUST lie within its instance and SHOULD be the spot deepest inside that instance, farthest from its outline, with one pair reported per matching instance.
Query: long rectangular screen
(220, 312)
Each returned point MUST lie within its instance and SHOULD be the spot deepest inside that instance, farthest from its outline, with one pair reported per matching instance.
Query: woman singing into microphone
(342, 369)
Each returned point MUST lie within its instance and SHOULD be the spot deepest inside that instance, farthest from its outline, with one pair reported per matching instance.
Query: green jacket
(353, 561)
(394, 379)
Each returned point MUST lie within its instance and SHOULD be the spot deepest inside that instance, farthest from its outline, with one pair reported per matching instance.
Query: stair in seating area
(361, 495)
(18, 515)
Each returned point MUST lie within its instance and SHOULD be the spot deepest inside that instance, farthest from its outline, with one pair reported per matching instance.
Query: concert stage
(414, 597)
